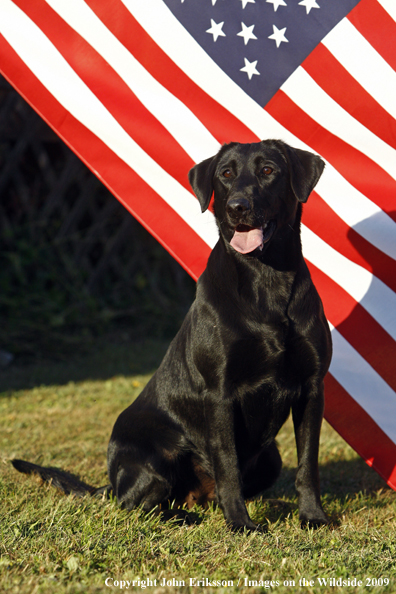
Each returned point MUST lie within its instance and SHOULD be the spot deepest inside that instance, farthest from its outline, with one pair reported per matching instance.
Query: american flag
(141, 90)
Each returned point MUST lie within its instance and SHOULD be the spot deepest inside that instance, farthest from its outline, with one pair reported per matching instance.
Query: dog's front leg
(226, 470)
(307, 418)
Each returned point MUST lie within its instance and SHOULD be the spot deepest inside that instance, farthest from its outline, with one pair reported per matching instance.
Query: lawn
(61, 414)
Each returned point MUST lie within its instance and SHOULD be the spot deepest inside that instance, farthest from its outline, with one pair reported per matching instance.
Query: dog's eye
(227, 173)
(266, 170)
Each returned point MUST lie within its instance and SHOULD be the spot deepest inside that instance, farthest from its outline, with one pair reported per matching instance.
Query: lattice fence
(63, 233)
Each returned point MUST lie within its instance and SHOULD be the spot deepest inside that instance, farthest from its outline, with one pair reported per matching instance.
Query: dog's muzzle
(247, 238)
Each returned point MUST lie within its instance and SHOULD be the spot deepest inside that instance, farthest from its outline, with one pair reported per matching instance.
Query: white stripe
(57, 76)
(311, 98)
(364, 63)
(358, 212)
(364, 384)
(390, 7)
(184, 126)
(365, 288)
(172, 37)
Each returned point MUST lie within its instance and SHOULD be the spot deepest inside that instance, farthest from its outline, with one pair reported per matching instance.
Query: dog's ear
(305, 169)
(201, 181)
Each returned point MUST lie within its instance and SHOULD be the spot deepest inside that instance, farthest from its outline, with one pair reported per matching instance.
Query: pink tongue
(247, 241)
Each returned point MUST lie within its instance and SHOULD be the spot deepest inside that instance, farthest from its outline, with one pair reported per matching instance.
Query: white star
(278, 35)
(247, 33)
(215, 30)
(277, 3)
(244, 2)
(250, 68)
(309, 4)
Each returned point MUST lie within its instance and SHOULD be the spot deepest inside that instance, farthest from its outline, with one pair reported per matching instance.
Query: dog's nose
(238, 206)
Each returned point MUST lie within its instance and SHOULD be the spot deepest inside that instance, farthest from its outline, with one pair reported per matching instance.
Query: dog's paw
(248, 528)
(180, 517)
(314, 520)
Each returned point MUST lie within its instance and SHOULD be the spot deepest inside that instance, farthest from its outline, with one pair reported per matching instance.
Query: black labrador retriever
(254, 345)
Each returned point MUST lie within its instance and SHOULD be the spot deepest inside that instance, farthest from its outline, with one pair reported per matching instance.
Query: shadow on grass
(112, 357)
(340, 478)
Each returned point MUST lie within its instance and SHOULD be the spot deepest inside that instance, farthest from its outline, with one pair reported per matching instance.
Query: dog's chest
(266, 374)
(273, 354)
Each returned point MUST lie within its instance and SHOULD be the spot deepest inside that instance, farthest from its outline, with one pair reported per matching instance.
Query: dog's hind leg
(145, 488)
(140, 485)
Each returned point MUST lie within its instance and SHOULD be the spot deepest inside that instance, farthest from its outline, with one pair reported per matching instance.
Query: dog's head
(257, 190)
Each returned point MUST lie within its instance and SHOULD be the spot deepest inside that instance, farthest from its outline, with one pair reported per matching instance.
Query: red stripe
(357, 326)
(336, 81)
(354, 166)
(322, 220)
(143, 127)
(375, 24)
(222, 124)
(137, 196)
(360, 431)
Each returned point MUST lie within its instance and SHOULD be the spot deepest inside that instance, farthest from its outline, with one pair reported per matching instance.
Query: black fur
(254, 345)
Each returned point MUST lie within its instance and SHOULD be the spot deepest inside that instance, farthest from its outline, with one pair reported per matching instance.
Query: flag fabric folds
(142, 91)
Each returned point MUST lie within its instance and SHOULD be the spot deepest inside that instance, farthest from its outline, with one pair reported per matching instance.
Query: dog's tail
(65, 481)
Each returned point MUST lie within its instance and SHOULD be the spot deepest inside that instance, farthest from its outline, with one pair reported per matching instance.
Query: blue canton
(259, 43)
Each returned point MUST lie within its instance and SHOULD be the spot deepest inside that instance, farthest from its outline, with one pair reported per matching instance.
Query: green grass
(62, 415)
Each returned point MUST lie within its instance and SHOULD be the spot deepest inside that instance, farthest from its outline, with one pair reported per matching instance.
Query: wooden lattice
(49, 200)
(46, 190)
